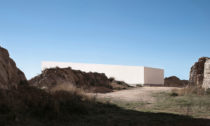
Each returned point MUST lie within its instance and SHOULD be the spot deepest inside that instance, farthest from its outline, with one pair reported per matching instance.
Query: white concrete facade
(130, 74)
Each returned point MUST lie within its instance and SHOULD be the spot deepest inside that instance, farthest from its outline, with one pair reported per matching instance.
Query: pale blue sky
(169, 34)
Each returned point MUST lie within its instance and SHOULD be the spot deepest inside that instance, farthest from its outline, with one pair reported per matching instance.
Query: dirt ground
(143, 94)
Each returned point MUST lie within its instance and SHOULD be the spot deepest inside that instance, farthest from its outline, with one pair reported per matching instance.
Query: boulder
(10, 75)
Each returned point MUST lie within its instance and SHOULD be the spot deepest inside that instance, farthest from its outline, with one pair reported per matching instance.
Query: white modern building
(132, 75)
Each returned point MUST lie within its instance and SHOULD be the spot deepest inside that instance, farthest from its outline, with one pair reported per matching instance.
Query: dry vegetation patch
(30, 106)
(192, 101)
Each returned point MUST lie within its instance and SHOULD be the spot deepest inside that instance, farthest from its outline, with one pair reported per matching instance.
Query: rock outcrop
(93, 82)
(206, 81)
(198, 73)
(174, 81)
(10, 75)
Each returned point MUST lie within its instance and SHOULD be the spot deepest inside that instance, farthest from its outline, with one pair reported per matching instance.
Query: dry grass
(29, 106)
(190, 102)
(67, 87)
(193, 102)
(70, 88)
(190, 90)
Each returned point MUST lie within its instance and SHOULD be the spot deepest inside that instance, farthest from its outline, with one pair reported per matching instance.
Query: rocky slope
(10, 75)
(198, 74)
(92, 82)
(174, 81)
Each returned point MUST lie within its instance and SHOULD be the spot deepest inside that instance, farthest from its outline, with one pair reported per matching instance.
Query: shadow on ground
(27, 106)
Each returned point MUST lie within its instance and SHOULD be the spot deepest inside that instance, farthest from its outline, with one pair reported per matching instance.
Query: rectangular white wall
(130, 74)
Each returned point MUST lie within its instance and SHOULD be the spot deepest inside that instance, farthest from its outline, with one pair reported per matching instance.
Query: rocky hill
(92, 82)
(10, 75)
(174, 81)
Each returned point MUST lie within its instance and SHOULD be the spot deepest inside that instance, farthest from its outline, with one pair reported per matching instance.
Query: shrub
(139, 85)
(111, 79)
(174, 94)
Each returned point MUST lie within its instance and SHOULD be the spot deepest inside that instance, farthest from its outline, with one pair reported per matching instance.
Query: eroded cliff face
(199, 74)
(206, 81)
(10, 75)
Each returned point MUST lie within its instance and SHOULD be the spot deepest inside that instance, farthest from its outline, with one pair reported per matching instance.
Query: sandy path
(143, 94)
